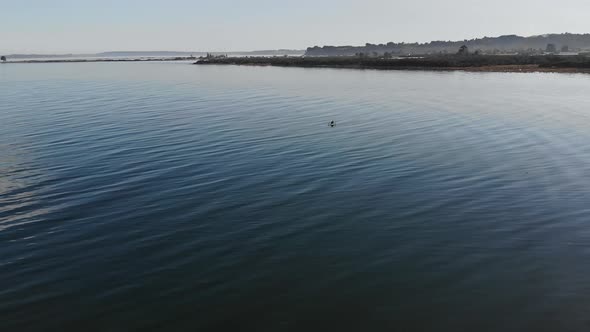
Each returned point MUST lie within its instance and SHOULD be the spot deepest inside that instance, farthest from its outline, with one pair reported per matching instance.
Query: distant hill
(99, 55)
(138, 54)
(145, 54)
(197, 53)
(489, 45)
(43, 56)
(271, 52)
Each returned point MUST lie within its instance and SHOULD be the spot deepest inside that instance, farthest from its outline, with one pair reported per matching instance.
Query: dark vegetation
(488, 45)
(3, 58)
(579, 63)
(461, 60)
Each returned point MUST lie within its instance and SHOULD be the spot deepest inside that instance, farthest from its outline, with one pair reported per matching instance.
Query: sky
(90, 26)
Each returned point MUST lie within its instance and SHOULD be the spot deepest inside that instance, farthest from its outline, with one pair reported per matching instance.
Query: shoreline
(101, 60)
(409, 64)
(485, 69)
(517, 64)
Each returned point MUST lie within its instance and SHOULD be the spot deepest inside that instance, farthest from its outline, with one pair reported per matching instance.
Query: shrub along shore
(491, 63)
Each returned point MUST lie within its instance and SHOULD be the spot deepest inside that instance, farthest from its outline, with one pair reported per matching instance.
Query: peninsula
(474, 62)
(544, 53)
(142, 59)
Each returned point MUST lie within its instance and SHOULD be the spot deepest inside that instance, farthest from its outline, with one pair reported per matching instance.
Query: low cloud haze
(67, 26)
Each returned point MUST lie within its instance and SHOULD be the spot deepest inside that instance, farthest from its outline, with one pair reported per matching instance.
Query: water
(165, 196)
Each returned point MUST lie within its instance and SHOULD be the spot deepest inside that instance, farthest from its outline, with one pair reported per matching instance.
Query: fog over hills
(490, 45)
(487, 45)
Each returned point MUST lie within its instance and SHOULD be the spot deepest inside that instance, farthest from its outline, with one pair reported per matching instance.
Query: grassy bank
(504, 63)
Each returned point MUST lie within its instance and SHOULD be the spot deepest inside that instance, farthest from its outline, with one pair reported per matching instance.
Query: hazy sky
(77, 26)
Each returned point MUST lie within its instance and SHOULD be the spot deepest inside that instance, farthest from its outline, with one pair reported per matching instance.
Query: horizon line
(287, 49)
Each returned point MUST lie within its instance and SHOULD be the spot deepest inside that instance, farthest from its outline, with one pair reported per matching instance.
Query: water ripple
(139, 196)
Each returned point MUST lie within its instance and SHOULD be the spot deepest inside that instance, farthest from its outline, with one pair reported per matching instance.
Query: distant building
(551, 48)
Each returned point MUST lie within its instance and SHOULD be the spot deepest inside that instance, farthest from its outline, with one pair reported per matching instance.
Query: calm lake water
(165, 196)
